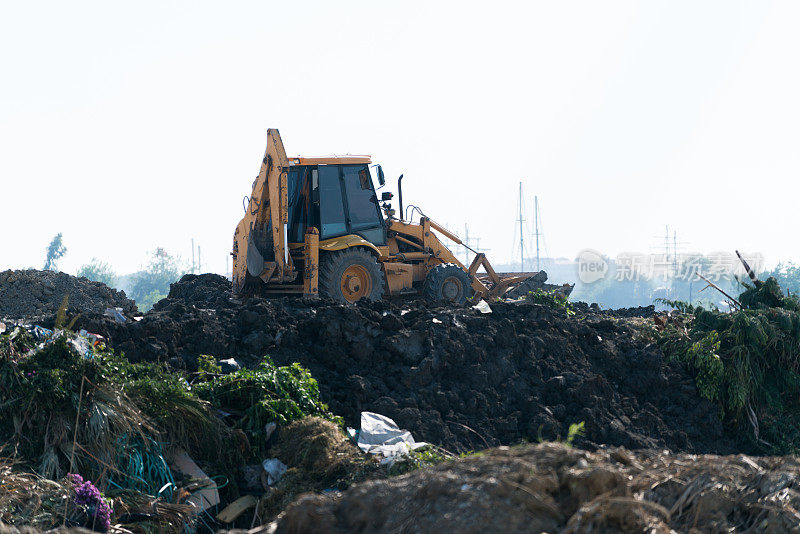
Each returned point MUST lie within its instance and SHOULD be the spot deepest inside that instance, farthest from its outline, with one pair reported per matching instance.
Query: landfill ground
(456, 377)
(484, 388)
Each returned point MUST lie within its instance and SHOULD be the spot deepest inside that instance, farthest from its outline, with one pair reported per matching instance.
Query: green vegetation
(551, 299)
(146, 302)
(126, 411)
(748, 362)
(788, 276)
(419, 459)
(152, 284)
(265, 394)
(681, 306)
(575, 431)
(55, 251)
(99, 271)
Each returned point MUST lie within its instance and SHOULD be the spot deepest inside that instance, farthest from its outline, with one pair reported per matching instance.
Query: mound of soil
(200, 290)
(453, 376)
(552, 488)
(638, 311)
(31, 294)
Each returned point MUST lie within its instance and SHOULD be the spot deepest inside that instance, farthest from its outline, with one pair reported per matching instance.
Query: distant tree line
(147, 286)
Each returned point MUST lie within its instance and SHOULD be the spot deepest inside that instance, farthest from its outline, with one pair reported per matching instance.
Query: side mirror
(381, 179)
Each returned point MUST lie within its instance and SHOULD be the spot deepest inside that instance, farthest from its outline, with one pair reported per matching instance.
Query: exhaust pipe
(400, 195)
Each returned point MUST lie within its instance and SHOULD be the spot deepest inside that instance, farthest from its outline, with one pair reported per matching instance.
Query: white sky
(137, 125)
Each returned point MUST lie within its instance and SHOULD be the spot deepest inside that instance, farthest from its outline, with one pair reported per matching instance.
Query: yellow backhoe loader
(315, 226)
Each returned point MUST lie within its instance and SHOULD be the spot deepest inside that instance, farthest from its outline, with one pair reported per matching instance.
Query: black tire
(349, 275)
(447, 282)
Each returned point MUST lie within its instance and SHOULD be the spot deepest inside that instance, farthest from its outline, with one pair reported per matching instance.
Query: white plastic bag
(381, 435)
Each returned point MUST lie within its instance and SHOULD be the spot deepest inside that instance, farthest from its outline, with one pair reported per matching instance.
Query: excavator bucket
(260, 249)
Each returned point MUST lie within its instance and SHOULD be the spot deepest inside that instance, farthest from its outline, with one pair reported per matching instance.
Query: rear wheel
(349, 275)
(447, 282)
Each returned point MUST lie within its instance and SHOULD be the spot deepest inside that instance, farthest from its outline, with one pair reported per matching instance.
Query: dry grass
(30, 500)
(319, 456)
(551, 488)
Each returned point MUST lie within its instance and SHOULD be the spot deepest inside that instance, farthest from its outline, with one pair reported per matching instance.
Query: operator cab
(335, 195)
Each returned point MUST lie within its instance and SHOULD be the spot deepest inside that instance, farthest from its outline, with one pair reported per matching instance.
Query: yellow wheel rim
(451, 288)
(356, 283)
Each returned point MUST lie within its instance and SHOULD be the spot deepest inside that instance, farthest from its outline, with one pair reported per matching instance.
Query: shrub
(748, 362)
(264, 395)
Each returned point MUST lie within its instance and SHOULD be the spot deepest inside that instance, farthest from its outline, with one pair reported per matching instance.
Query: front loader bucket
(517, 285)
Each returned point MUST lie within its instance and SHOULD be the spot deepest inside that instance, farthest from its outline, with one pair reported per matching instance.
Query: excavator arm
(260, 247)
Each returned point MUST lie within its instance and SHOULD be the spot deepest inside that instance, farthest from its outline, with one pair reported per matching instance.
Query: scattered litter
(205, 497)
(82, 346)
(253, 475)
(275, 470)
(230, 365)
(436, 321)
(236, 508)
(40, 333)
(483, 307)
(381, 435)
(269, 428)
(116, 314)
(96, 339)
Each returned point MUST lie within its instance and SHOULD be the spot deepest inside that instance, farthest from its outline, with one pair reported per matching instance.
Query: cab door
(348, 203)
(361, 203)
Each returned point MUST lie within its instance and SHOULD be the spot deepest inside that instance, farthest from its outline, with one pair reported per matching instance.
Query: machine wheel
(447, 282)
(349, 275)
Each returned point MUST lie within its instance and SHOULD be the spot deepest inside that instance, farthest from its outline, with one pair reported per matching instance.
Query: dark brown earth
(31, 294)
(453, 376)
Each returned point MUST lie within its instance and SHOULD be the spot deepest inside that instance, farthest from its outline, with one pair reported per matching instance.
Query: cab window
(331, 205)
(362, 203)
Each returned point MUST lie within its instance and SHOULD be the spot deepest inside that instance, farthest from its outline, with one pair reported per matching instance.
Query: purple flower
(92, 501)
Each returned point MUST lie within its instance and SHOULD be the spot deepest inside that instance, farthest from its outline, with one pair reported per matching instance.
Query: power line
(521, 234)
(536, 223)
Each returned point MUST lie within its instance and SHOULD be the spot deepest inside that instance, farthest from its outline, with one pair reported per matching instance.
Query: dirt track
(455, 377)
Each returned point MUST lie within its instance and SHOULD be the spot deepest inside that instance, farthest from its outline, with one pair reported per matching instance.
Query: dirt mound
(638, 311)
(552, 488)
(30, 294)
(201, 290)
(453, 376)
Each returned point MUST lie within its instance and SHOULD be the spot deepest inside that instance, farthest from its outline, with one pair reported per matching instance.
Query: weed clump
(266, 394)
(552, 299)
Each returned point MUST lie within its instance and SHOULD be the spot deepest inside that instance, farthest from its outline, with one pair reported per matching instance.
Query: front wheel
(349, 275)
(447, 282)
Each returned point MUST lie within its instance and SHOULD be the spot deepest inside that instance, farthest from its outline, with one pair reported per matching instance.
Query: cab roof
(329, 160)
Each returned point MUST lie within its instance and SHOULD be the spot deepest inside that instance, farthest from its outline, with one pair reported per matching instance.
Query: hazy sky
(132, 126)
